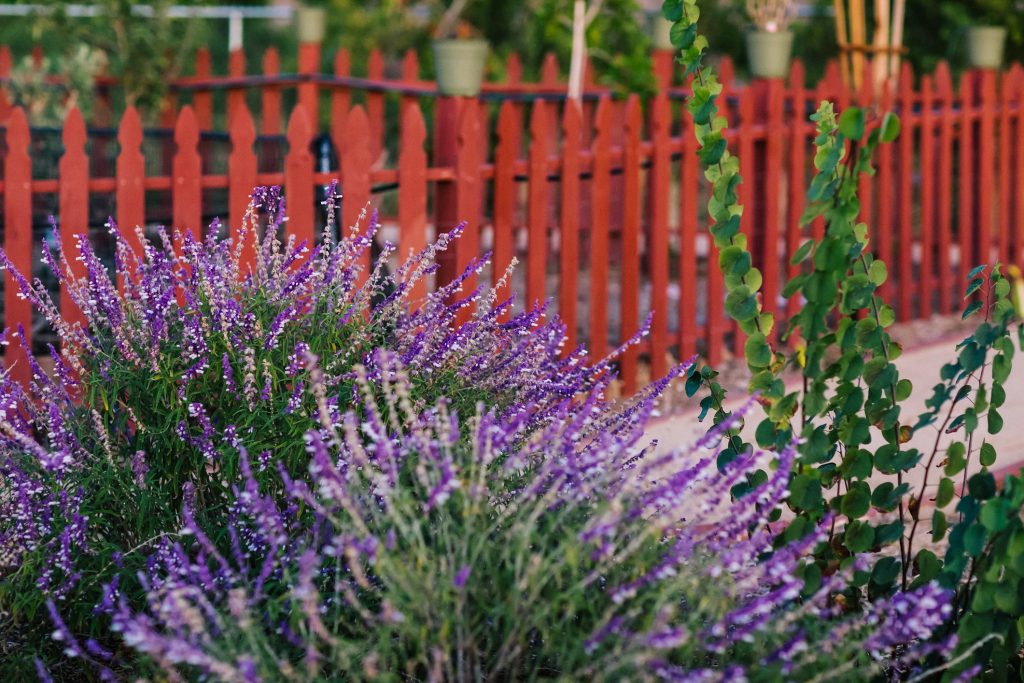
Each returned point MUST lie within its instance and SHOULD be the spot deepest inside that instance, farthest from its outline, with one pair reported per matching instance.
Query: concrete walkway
(921, 366)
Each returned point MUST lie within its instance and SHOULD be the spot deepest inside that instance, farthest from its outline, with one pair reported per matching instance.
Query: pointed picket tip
(17, 129)
(74, 135)
(186, 130)
(236, 62)
(410, 65)
(203, 61)
(1012, 82)
(5, 60)
(242, 127)
(358, 123)
(906, 78)
(342, 61)
(130, 132)
(414, 126)
(514, 69)
(549, 70)
(271, 60)
(299, 128)
(375, 66)
(603, 117)
(943, 78)
(833, 79)
(726, 70)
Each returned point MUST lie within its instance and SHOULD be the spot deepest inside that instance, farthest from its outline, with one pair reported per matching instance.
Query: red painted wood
(202, 100)
(131, 177)
(601, 184)
(236, 69)
(375, 105)
(355, 156)
(906, 194)
(469, 193)
(772, 194)
(886, 203)
(446, 216)
(537, 206)
(270, 116)
(549, 70)
(926, 280)
(341, 104)
(630, 302)
(985, 232)
(797, 170)
(410, 75)
(18, 241)
(569, 228)
(309, 92)
(965, 147)
(689, 182)
(505, 189)
(298, 179)
(187, 194)
(412, 189)
(242, 170)
(1007, 100)
(73, 206)
(1017, 142)
(947, 116)
(658, 247)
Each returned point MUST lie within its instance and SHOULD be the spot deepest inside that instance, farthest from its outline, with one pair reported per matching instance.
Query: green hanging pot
(459, 65)
(985, 46)
(768, 53)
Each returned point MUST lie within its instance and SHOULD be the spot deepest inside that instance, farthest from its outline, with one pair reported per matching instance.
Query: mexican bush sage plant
(189, 349)
(570, 551)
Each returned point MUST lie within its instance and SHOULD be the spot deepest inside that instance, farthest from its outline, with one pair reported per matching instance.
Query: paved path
(921, 366)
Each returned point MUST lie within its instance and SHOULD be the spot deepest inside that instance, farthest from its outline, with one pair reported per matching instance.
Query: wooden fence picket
(928, 142)
(601, 169)
(796, 177)
(242, 173)
(355, 190)
(130, 193)
(505, 190)
(412, 189)
(1004, 154)
(186, 189)
(1017, 227)
(986, 181)
(537, 206)
(73, 205)
(298, 178)
(375, 105)
(965, 148)
(569, 223)
(658, 242)
(886, 202)
(270, 95)
(18, 241)
(944, 88)
(773, 159)
(905, 263)
(630, 292)
(202, 100)
(689, 181)
(468, 194)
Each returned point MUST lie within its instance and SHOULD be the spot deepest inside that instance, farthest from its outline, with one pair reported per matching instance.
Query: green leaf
(971, 310)
(740, 304)
(802, 252)
(885, 572)
(859, 537)
(945, 492)
(903, 389)
(890, 128)
(939, 526)
(976, 271)
(851, 123)
(995, 422)
(987, 457)
(757, 351)
(886, 316)
(856, 501)
(877, 272)
(982, 485)
(928, 565)
(805, 492)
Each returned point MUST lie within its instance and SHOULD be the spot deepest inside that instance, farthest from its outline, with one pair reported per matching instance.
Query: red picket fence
(604, 203)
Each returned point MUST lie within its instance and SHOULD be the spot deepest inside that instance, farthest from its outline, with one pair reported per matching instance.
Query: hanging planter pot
(985, 46)
(309, 24)
(768, 53)
(459, 65)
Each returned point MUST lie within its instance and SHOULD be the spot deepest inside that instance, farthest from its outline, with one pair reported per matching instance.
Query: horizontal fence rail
(602, 204)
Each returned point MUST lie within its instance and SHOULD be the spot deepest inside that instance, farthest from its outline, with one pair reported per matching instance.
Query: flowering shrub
(512, 554)
(198, 352)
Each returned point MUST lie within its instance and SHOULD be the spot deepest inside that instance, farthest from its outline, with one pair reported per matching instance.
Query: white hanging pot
(459, 66)
(985, 46)
(768, 53)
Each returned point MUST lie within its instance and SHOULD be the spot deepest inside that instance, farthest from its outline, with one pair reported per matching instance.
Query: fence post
(236, 95)
(689, 179)
(569, 229)
(886, 202)
(242, 169)
(298, 178)
(599, 229)
(73, 208)
(18, 240)
(537, 206)
(446, 214)
(796, 180)
(986, 182)
(5, 72)
(412, 189)
(186, 191)
(130, 195)
(202, 100)
(1007, 97)
(341, 100)
(410, 77)
(965, 147)
(270, 94)
(1017, 225)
